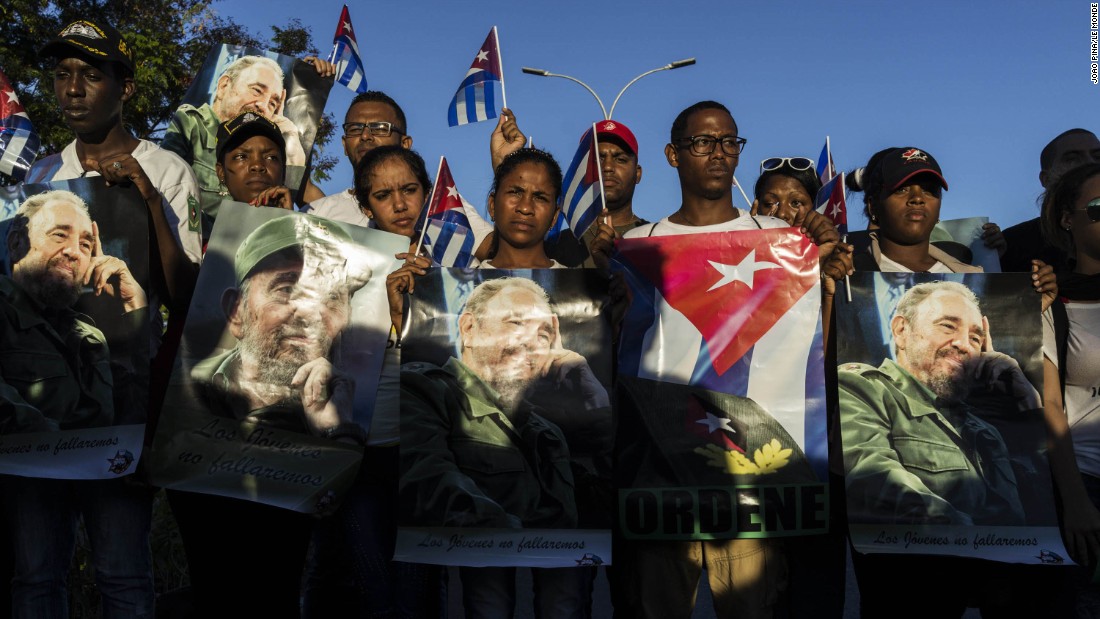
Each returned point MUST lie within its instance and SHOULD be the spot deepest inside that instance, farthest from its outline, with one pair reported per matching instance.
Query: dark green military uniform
(56, 372)
(911, 459)
(466, 463)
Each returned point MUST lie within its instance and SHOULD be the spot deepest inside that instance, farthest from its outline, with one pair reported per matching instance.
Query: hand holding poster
(74, 373)
(281, 357)
(506, 419)
(235, 79)
(721, 425)
(942, 422)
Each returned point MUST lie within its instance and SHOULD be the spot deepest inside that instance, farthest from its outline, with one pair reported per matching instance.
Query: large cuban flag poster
(721, 398)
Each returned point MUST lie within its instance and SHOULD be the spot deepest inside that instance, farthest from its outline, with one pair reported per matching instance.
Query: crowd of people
(286, 564)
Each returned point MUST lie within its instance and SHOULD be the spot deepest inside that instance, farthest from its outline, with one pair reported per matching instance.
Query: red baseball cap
(620, 132)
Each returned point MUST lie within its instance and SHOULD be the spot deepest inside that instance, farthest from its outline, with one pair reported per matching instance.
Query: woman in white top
(1071, 350)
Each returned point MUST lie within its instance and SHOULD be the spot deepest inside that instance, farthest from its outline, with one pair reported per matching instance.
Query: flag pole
(743, 194)
(431, 203)
(500, 60)
(599, 173)
(332, 54)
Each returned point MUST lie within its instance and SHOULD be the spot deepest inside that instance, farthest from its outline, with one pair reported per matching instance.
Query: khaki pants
(745, 577)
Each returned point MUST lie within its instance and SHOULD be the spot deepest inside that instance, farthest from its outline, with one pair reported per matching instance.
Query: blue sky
(983, 86)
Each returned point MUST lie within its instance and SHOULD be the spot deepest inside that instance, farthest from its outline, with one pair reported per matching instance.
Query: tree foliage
(170, 38)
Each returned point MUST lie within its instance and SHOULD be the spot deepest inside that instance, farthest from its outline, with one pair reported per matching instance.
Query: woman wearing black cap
(903, 189)
(252, 161)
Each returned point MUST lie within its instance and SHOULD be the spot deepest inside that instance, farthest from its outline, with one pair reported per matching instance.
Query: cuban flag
(345, 55)
(475, 100)
(583, 200)
(831, 202)
(446, 233)
(826, 169)
(736, 313)
(18, 140)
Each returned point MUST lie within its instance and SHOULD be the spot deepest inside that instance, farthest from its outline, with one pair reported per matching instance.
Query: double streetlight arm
(607, 116)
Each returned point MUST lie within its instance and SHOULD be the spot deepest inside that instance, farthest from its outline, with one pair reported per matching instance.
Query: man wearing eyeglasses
(744, 574)
(373, 119)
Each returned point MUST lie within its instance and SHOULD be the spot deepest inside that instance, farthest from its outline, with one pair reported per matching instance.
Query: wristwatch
(347, 429)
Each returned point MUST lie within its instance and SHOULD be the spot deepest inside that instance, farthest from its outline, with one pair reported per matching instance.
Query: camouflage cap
(314, 236)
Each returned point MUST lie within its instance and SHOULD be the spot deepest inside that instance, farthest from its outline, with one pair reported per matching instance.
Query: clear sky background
(982, 86)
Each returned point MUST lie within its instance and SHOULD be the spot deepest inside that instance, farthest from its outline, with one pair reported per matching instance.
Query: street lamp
(607, 116)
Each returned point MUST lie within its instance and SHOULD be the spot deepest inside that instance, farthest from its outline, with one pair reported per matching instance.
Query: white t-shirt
(1082, 399)
(341, 207)
(488, 264)
(887, 265)
(743, 221)
(171, 176)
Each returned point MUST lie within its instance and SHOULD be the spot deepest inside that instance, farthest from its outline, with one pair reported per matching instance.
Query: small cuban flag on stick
(345, 55)
(583, 183)
(445, 231)
(475, 100)
(18, 139)
(826, 169)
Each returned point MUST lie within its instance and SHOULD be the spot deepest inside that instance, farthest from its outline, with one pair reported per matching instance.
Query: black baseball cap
(247, 124)
(902, 164)
(97, 40)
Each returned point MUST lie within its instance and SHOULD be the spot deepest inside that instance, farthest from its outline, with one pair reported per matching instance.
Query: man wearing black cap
(93, 78)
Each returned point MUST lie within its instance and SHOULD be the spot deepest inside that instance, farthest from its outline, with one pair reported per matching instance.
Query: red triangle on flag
(733, 286)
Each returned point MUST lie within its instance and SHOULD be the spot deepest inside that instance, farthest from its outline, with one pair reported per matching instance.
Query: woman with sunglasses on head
(1071, 350)
(786, 189)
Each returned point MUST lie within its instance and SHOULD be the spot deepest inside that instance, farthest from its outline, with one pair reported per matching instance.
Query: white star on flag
(452, 192)
(835, 211)
(482, 55)
(10, 94)
(743, 272)
(347, 26)
(714, 423)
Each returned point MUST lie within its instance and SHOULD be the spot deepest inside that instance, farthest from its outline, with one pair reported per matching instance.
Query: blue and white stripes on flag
(345, 55)
(445, 229)
(18, 139)
(583, 198)
(449, 243)
(475, 99)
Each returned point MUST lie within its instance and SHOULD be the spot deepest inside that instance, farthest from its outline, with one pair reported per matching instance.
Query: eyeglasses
(379, 129)
(1092, 209)
(795, 163)
(704, 144)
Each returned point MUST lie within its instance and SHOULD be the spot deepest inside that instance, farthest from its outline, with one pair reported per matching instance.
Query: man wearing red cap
(618, 152)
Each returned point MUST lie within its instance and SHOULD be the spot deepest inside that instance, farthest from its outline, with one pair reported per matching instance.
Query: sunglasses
(1092, 209)
(795, 163)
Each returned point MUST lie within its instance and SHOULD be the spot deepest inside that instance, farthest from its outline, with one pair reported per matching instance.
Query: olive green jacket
(908, 459)
(465, 463)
